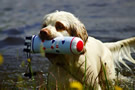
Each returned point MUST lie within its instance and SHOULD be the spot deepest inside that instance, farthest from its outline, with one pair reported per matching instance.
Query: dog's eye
(44, 25)
(59, 26)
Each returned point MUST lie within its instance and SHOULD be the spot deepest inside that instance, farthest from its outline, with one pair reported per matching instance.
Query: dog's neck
(75, 65)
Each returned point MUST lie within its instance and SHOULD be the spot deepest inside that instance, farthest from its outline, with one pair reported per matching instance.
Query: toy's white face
(62, 24)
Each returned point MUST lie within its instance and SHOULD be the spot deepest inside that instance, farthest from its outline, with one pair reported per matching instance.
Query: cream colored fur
(68, 68)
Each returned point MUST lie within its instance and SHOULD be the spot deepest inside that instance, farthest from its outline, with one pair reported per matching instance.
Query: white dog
(86, 68)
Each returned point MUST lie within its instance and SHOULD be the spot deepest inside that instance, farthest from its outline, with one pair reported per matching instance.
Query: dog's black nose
(45, 34)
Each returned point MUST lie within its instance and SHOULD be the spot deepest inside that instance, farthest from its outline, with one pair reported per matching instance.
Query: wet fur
(68, 68)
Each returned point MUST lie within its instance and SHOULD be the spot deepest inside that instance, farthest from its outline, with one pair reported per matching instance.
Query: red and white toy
(58, 45)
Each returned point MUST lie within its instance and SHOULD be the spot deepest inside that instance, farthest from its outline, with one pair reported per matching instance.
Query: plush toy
(58, 45)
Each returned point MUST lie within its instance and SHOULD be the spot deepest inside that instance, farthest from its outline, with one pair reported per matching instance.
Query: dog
(86, 68)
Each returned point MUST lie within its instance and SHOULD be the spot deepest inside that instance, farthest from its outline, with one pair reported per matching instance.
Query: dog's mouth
(44, 37)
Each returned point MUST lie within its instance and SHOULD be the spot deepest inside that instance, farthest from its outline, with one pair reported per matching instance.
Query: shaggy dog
(86, 68)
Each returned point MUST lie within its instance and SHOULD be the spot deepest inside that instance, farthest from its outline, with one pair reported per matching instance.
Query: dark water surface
(107, 20)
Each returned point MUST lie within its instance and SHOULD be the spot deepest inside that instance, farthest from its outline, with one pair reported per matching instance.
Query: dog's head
(62, 23)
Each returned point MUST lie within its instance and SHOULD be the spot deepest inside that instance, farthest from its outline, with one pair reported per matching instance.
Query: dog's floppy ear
(78, 29)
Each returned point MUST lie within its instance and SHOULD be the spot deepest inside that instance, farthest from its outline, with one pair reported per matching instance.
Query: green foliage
(38, 82)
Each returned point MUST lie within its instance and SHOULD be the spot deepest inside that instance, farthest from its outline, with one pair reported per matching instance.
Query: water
(106, 20)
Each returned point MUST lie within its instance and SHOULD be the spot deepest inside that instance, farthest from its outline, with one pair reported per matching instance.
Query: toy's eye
(59, 26)
(44, 25)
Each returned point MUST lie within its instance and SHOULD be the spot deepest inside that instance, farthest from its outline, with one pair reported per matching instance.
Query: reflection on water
(108, 21)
